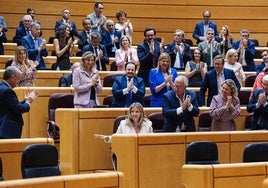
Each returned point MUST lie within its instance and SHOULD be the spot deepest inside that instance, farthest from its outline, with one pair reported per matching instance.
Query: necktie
(27, 32)
(98, 62)
(36, 47)
(124, 32)
(211, 55)
(128, 95)
(180, 58)
(219, 80)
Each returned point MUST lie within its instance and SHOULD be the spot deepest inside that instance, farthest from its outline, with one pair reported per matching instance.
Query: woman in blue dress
(161, 79)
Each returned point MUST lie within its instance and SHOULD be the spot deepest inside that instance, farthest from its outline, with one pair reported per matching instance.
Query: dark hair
(96, 5)
(29, 9)
(219, 57)
(149, 29)
(128, 63)
(85, 19)
(120, 14)
(95, 35)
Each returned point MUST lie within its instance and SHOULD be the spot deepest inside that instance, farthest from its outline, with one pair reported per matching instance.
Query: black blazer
(172, 119)
(105, 57)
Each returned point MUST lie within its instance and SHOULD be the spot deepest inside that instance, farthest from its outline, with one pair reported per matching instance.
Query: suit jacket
(120, 83)
(83, 39)
(249, 54)
(94, 23)
(11, 111)
(199, 31)
(105, 57)
(107, 42)
(260, 67)
(260, 117)
(187, 56)
(20, 32)
(207, 53)
(172, 119)
(210, 83)
(73, 32)
(28, 43)
(66, 80)
(146, 59)
(3, 39)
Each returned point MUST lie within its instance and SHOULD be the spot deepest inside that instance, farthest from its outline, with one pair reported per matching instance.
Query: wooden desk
(236, 175)
(11, 151)
(156, 160)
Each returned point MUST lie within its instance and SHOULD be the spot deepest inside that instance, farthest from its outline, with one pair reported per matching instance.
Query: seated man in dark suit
(24, 30)
(259, 106)
(99, 50)
(213, 80)
(111, 38)
(179, 107)
(128, 88)
(67, 80)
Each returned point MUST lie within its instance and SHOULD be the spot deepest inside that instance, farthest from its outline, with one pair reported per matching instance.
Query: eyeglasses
(210, 33)
(27, 20)
(244, 35)
(110, 25)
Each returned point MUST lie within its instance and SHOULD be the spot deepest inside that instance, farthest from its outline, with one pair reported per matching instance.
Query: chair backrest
(59, 100)
(108, 80)
(204, 152)
(117, 121)
(189, 41)
(113, 66)
(249, 82)
(204, 122)
(244, 97)
(1, 170)
(256, 42)
(108, 100)
(40, 160)
(157, 120)
(256, 152)
(147, 100)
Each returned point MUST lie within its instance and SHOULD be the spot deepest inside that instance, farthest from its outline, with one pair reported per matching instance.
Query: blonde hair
(140, 108)
(231, 84)
(164, 56)
(230, 53)
(86, 55)
(18, 50)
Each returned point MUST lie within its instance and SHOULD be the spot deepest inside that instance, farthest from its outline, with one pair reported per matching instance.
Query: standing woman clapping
(86, 82)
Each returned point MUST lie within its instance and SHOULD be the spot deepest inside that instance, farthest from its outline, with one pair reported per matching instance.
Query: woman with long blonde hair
(27, 67)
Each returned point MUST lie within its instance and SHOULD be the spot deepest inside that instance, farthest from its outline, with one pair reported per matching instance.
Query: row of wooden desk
(50, 78)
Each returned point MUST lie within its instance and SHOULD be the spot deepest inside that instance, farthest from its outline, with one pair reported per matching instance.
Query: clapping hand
(130, 84)
(31, 96)
(262, 99)
(229, 101)
(187, 102)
